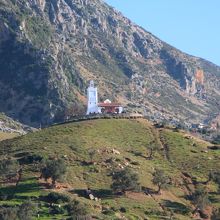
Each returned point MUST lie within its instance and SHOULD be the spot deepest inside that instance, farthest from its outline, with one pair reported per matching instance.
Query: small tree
(160, 179)
(54, 169)
(26, 211)
(125, 180)
(78, 211)
(200, 198)
(9, 213)
(152, 148)
(8, 168)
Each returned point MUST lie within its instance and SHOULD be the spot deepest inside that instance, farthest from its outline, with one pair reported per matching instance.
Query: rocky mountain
(9, 126)
(50, 49)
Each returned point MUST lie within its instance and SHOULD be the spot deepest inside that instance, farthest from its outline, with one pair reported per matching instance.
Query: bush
(26, 211)
(54, 169)
(3, 196)
(200, 198)
(123, 210)
(108, 212)
(54, 197)
(9, 213)
(125, 180)
(8, 168)
(29, 159)
(78, 210)
(56, 210)
(160, 179)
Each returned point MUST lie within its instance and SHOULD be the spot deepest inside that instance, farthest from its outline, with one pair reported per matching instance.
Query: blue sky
(192, 26)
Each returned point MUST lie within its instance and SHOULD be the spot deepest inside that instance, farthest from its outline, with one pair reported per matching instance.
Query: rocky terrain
(50, 49)
(8, 125)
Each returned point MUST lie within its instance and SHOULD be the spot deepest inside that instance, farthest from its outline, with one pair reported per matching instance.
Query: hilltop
(49, 50)
(116, 143)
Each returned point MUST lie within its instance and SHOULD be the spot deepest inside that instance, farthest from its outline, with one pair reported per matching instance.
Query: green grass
(73, 142)
(38, 30)
(199, 161)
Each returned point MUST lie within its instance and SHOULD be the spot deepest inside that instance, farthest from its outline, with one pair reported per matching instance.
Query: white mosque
(106, 107)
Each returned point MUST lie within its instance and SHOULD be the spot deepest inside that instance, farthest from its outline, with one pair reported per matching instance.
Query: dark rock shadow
(176, 207)
(99, 193)
(149, 191)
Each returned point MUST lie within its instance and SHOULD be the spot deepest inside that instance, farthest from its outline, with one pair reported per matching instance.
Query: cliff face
(50, 49)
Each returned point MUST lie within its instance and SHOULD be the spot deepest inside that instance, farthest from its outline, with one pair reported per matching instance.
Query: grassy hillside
(117, 143)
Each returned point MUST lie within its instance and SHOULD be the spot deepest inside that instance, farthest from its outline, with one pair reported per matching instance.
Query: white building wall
(92, 97)
(120, 109)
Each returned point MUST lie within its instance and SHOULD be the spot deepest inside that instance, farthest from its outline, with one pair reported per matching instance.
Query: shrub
(9, 213)
(29, 159)
(54, 169)
(108, 212)
(3, 196)
(125, 180)
(54, 197)
(56, 210)
(78, 210)
(8, 168)
(26, 211)
(123, 210)
(200, 198)
(160, 179)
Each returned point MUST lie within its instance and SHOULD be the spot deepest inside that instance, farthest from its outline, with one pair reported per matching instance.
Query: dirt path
(165, 147)
(157, 138)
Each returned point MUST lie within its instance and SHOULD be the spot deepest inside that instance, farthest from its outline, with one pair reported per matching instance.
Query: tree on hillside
(78, 210)
(26, 211)
(160, 179)
(8, 168)
(54, 169)
(9, 213)
(152, 148)
(125, 180)
(200, 198)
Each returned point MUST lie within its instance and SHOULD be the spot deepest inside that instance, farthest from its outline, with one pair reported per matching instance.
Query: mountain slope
(49, 50)
(9, 127)
(116, 143)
